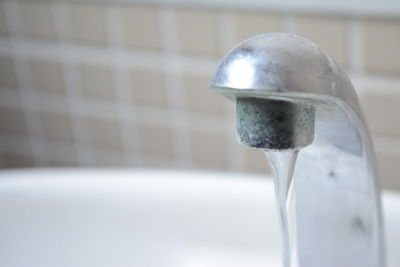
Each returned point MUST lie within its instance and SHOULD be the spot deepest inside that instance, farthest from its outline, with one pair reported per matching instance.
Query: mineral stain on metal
(274, 124)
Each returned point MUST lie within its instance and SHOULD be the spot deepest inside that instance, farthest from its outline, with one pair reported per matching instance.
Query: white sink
(76, 217)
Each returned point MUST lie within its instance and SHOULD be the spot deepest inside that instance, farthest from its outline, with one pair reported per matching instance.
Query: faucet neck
(338, 214)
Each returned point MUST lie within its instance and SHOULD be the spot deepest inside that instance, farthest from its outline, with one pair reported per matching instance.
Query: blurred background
(125, 84)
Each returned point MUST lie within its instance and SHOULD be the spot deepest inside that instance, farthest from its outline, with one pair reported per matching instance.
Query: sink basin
(112, 217)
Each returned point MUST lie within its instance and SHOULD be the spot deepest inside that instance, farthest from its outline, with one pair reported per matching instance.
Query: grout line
(121, 86)
(35, 49)
(76, 104)
(13, 19)
(100, 109)
(287, 23)
(355, 49)
(386, 144)
(15, 144)
(379, 85)
(389, 11)
(2, 153)
(24, 77)
(148, 60)
(175, 92)
(227, 33)
(64, 149)
(236, 155)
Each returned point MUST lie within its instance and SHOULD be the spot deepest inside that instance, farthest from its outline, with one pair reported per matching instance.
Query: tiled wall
(107, 84)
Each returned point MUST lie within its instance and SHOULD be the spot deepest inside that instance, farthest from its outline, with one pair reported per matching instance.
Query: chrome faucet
(290, 94)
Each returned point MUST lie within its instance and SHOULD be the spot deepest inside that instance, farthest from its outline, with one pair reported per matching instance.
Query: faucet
(291, 95)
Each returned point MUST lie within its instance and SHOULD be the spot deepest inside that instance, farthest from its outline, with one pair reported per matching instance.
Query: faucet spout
(290, 94)
(269, 124)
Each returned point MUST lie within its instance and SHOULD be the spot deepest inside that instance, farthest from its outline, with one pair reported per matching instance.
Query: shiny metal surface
(337, 191)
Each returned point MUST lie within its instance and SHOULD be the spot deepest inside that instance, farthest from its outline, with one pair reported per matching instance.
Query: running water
(283, 164)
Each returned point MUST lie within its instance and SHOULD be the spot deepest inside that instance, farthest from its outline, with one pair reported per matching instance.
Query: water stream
(283, 164)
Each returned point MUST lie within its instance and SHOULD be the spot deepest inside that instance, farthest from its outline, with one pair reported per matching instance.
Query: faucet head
(274, 63)
(264, 75)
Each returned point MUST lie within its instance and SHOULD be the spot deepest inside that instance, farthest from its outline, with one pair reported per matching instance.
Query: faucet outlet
(270, 124)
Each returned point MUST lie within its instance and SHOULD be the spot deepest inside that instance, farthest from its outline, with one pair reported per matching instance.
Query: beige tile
(37, 19)
(88, 23)
(12, 160)
(16, 144)
(256, 161)
(105, 134)
(148, 88)
(58, 103)
(64, 156)
(198, 96)
(197, 32)
(250, 24)
(389, 170)
(96, 81)
(208, 149)
(57, 127)
(47, 76)
(330, 33)
(12, 121)
(107, 159)
(381, 111)
(165, 163)
(3, 23)
(381, 39)
(7, 72)
(141, 27)
(62, 163)
(155, 141)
